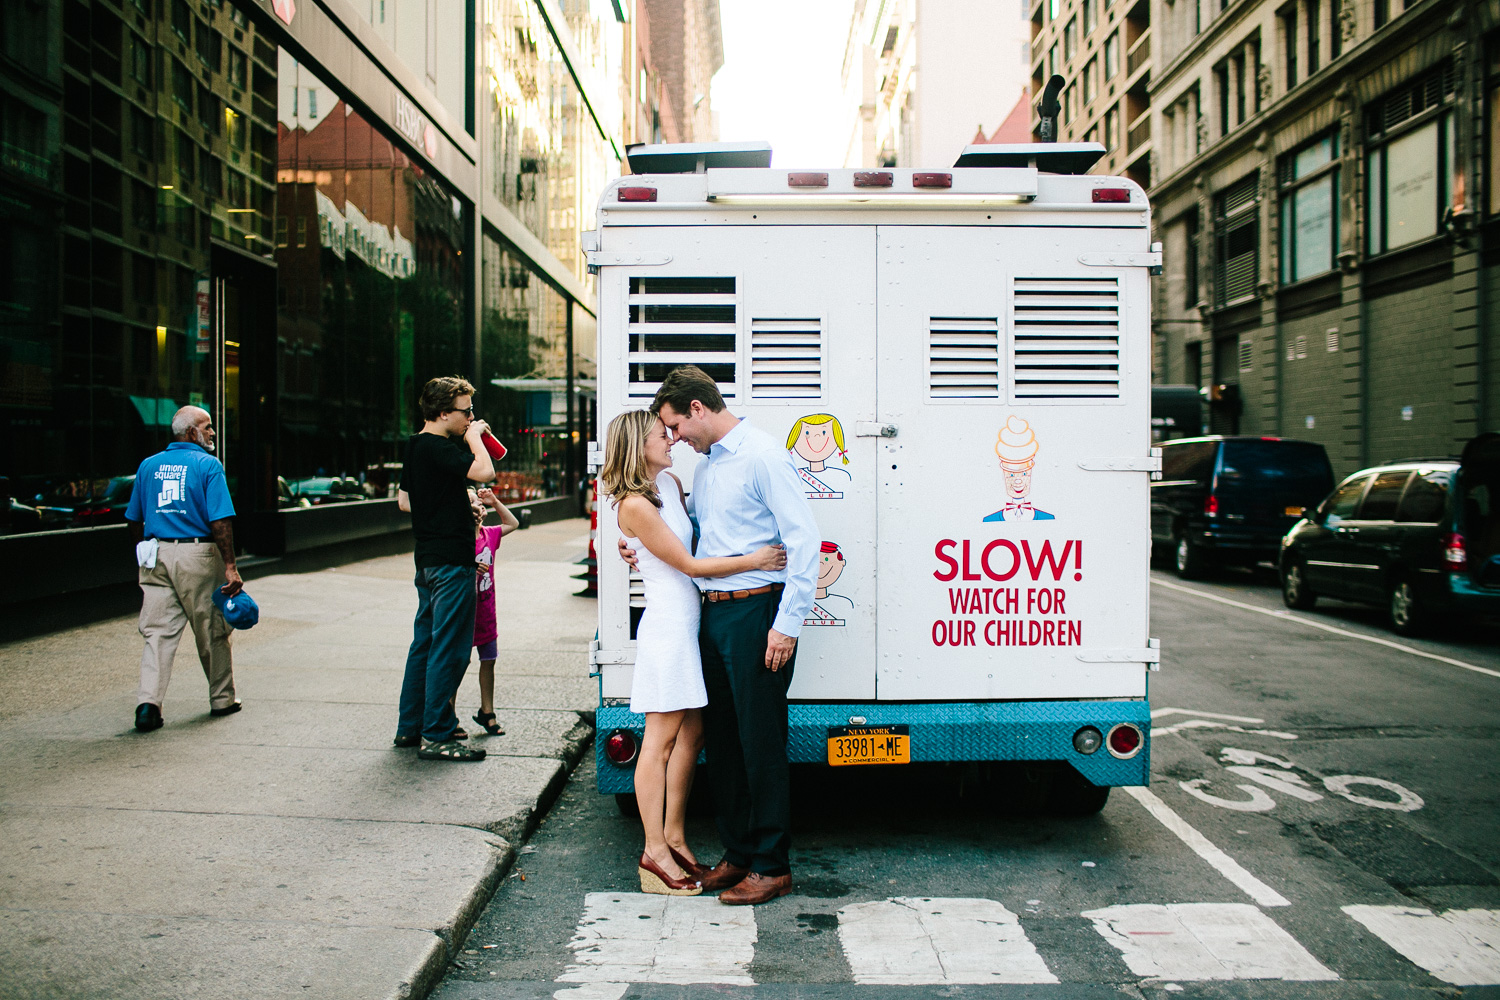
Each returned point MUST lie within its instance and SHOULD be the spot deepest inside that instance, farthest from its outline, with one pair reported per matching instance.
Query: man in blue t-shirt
(179, 515)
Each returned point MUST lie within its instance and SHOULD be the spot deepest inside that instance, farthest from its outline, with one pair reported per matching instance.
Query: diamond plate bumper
(950, 731)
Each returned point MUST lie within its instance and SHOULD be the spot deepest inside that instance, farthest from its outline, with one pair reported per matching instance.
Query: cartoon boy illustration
(1016, 448)
(830, 568)
(815, 439)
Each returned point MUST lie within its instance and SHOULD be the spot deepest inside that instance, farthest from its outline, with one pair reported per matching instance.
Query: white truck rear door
(1014, 542)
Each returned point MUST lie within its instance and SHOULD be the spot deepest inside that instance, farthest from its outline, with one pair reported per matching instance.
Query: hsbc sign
(412, 124)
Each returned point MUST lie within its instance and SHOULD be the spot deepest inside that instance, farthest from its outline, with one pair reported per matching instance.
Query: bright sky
(780, 80)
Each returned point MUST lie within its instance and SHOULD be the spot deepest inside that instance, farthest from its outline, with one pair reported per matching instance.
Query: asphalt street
(1321, 822)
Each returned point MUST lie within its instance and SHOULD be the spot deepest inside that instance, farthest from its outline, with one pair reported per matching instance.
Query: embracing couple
(713, 659)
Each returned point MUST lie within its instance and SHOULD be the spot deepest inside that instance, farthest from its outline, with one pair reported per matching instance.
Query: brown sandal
(658, 882)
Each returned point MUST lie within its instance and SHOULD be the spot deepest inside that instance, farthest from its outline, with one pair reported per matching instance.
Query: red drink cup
(494, 447)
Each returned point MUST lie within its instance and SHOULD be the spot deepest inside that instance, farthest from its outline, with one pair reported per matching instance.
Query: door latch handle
(873, 428)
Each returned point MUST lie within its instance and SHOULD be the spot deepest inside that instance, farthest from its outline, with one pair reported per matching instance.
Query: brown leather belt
(715, 596)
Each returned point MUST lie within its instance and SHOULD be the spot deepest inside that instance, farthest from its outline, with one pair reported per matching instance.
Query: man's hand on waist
(779, 649)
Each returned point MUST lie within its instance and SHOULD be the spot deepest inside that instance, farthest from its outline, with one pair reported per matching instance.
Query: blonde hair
(625, 473)
(815, 419)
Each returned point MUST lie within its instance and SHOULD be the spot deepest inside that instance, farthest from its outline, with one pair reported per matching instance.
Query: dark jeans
(442, 636)
(745, 731)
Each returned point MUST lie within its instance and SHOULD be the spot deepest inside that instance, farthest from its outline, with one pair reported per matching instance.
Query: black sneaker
(226, 710)
(147, 717)
(449, 750)
(406, 742)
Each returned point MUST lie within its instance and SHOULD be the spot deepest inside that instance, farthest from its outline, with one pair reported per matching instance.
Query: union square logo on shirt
(171, 485)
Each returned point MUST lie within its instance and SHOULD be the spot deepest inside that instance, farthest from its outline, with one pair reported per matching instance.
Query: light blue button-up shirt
(746, 494)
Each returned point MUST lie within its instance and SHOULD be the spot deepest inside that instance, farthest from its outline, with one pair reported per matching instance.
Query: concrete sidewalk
(287, 850)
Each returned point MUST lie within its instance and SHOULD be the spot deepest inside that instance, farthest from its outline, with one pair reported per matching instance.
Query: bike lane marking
(635, 937)
(1205, 848)
(1287, 616)
(1202, 941)
(1461, 947)
(910, 940)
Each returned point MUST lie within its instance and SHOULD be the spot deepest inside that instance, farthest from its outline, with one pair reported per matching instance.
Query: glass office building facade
(230, 203)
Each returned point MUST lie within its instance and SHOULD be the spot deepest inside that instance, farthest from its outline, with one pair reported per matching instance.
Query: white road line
(1157, 713)
(635, 937)
(1287, 616)
(1198, 941)
(1461, 947)
(911, 940)
(1205, 849)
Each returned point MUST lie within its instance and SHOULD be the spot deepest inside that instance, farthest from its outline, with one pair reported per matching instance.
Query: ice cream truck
(958, 362)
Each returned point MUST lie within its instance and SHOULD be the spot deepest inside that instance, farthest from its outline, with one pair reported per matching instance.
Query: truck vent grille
(1067, 338)
(786, 359)
(681, 321)
(963, 358)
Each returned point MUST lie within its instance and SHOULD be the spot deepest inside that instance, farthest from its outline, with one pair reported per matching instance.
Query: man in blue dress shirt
(746, 494)
(181, 502)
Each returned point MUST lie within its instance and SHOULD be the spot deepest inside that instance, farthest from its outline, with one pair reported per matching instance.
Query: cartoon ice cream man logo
(816, 439)
(830, 568)
(1016, 448)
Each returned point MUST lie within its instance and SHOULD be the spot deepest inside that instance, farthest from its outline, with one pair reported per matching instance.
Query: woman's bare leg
(680, 770)
(662, 729)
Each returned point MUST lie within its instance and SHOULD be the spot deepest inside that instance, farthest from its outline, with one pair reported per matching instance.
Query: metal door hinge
(873, 429)
(596, 457)
(639, 258)
(1105, 258)
(1151, 654)
(1145, 463)
(607, 657)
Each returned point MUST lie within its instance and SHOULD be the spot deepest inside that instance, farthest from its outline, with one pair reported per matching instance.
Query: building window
(208, 45)
(182, 86)
(1089, 72)
(1289, 35)
(1190, 261)
(1090, 15)
(140, 61)
(281, 231)
(1309, 184)
(1313, 19)
(237, 66)
(1053, 63)
(1111, 129)
(182, 20)
(1070, 39)
(1335, 31)
(1054, 7)
(141, 129)
(1410, 164)
(1382, 13)
(1237, 241)
(1112, 56)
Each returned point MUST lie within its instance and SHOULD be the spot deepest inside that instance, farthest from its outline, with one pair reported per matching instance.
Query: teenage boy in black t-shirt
(434, 488)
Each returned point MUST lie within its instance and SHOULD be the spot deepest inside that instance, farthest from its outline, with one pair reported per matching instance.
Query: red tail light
(1455, 556)
(1124, 740)
(807, 180)
(620, 746)
(932, 180)
(636, 193)
(1111, 195)
(1211, 505)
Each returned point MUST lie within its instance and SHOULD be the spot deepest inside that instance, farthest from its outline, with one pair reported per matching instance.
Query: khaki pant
(177, 592)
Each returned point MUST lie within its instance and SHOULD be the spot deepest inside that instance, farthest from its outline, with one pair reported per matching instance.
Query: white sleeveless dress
(668, 669)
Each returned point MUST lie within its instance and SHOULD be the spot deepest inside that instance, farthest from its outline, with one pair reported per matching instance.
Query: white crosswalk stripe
(1198, 941)
(910, 940)
(1461, 947)
(634, 937)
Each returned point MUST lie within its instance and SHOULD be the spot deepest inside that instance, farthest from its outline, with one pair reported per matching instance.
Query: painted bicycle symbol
(1283, 778)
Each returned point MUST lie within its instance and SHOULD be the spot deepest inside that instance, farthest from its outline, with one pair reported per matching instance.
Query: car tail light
(620, 746)
(1455, 556)
(932, 180)
(1111, 194)
(1211, 506)
(1087, 740)
(636, 194)
(1124, 740)
(874, 179)
(807, 180)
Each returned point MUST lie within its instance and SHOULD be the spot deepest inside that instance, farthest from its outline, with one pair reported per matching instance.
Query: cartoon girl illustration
(1016, 448)
(815, 439)
(830, 568)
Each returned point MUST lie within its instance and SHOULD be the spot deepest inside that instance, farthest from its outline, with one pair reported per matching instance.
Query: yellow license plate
(868, 745)
(1295, 511)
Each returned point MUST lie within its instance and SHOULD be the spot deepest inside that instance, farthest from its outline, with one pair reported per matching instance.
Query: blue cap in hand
(240, 611)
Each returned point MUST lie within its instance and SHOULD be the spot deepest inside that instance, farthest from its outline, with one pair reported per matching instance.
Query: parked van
(1229, 500)
(978, 340)
(1421, 539)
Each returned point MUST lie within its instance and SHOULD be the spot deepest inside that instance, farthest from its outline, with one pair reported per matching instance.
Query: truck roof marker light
(636, 193)
(1124, 741)
(931, 180)
(807, 180)
(874, 179)
(1111, 195)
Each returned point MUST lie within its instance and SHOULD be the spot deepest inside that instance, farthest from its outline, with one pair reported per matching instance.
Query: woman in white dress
(668, 681)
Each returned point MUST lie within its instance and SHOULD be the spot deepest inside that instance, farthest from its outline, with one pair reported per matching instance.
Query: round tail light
(1087, 740)
(1124, 740)
(620, 747)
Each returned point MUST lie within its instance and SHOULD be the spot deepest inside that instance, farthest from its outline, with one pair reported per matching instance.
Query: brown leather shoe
(722, 876)
(757, 888)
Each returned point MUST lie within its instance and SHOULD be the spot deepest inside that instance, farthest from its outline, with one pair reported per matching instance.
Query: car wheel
(1190, 560)
(1071, 794)
(1295, 593)
(1408, 616)
(626, 803)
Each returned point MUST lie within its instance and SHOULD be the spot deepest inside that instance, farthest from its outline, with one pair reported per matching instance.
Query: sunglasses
(469, 410)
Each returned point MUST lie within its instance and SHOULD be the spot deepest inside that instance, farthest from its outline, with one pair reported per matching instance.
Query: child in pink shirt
(486, 632)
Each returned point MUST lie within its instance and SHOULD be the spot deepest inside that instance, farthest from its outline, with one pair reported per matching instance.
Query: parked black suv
(1223, 500)
(1416, 537)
